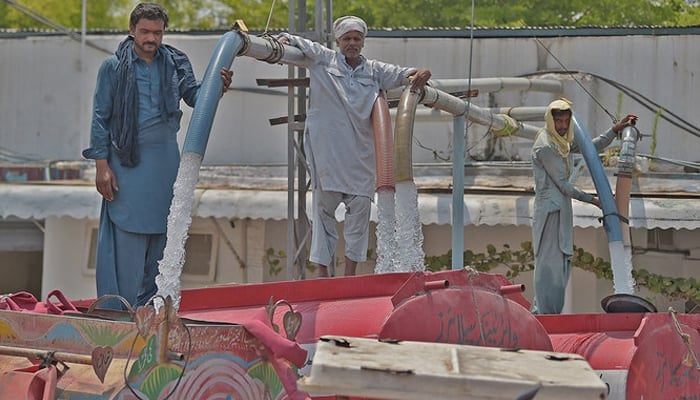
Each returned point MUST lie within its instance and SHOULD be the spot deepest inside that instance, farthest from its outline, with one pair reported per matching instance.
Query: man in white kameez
(339, 141)
(552, 227)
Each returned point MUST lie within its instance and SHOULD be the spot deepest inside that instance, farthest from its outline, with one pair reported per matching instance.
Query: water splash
(409, 236)
(179, 220)
(621, 260)
(386, 232)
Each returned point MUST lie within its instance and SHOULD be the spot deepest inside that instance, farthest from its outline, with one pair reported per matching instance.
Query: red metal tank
(639, 355)
(455, 307)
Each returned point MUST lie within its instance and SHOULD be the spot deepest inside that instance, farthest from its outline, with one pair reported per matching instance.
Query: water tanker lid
(626, 303)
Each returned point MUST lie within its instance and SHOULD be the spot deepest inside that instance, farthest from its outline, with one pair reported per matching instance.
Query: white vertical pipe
(458, 193)
(291, 152)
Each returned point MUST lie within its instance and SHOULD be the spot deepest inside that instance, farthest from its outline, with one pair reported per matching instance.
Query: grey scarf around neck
(176, 78)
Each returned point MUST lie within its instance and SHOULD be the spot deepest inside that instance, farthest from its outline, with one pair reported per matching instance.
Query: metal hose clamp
(277, 49)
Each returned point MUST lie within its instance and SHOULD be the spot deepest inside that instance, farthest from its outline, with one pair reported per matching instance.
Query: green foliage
(654, 129)
(273, 260)
(66, 13)
(220, 14)
(513, 262)
(522, 260)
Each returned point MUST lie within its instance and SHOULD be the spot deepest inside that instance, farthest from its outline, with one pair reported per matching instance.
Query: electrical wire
(269, 17)
(646, 102)
(576, 80)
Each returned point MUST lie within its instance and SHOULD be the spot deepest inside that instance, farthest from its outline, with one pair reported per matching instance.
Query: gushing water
(179, 220)
(386, 232)
(409, 236)
(621, 260)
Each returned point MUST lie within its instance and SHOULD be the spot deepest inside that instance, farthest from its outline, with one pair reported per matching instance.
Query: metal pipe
(459, 128)
(510, 289)
(521, 113)
(269, 49)
(444, 101)
(626, 161)
(518, 113)
(40, 354)
(490, 85)
(433, 285)
(628, 150)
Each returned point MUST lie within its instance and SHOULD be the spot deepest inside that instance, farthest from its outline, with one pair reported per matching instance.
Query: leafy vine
(521, 260)
(517, 261)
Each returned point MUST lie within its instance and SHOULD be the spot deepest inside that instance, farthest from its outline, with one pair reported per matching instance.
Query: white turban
(348, 23)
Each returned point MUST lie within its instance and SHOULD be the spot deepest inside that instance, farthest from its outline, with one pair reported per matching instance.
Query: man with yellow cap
(552, 227)
(338, 138)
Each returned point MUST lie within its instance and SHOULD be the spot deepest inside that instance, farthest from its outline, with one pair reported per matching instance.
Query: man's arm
(105, 181)
(555, 168)
(310, 49)
(102, 112)
(605, 139)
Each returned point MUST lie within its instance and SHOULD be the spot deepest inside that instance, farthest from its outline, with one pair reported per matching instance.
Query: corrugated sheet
(36, 201)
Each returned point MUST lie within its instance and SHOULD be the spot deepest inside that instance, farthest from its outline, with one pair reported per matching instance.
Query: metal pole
(291, 247)
(458, 193)
(83, 29)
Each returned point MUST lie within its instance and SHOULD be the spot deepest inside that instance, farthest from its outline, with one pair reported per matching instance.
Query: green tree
(518, 13)
(39, 14)
(220, 14)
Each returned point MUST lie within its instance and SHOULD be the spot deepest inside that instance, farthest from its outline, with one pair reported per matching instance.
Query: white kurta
(339, 141)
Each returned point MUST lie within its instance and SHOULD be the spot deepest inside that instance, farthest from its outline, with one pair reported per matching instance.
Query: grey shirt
(554, 191)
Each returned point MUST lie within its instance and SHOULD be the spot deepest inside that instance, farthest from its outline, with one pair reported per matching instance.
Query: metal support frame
(299, 227)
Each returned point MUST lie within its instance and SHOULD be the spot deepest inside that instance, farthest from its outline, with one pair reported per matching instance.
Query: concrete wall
(47, 83)
(67, 248)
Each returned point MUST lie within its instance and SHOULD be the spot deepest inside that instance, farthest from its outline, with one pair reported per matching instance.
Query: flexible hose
(611, 218)
(383, 143)
(403, 138)
(210, 93)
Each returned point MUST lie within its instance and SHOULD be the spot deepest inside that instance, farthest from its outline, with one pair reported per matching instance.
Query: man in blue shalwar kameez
(133, 140)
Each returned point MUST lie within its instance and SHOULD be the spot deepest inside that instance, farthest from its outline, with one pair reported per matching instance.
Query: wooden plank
(299, 82)
(285, 119)
(350, 366)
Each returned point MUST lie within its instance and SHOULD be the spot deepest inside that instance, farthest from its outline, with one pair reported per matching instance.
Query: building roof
(494, 195)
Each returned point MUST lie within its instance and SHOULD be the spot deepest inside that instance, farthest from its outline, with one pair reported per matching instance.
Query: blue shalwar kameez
(132, 230)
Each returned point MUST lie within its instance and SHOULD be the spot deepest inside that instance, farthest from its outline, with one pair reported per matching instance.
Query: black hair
(150, 11)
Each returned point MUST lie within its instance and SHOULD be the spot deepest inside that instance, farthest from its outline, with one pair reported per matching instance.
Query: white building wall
(46, 89)
(66, 253)
(67, 245)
